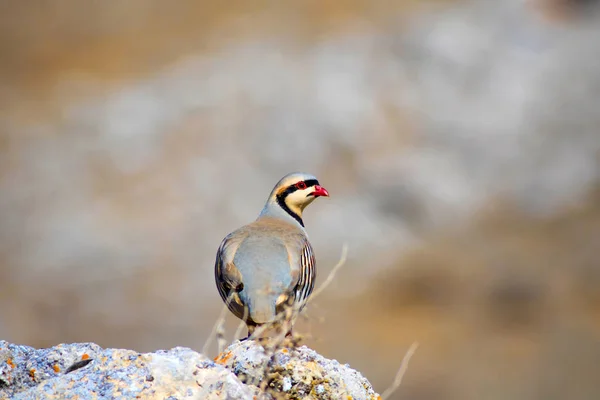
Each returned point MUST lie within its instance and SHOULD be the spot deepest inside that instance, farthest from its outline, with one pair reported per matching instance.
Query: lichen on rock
(294, 373)
(246, 370)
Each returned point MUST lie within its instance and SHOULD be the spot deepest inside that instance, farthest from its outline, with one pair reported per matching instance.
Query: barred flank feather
(306, 282)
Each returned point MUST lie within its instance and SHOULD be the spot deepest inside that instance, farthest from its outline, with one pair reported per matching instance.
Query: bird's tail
(262, 308)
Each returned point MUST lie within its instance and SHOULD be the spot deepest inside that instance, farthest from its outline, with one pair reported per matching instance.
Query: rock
(244, 371)
(86, 371)
(297, 373)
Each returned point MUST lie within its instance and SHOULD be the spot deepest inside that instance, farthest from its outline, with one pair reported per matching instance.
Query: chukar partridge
(268, 265)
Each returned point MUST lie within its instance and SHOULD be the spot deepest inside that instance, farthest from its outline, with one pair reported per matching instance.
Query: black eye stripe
(291, 189)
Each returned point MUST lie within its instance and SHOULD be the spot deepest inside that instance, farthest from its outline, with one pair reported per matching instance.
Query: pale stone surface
(298, 373)
(28, 373)
(86, 371)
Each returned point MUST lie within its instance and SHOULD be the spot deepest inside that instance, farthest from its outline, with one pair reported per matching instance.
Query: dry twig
(401, 371)
(241, 325)
(218, 329)
(331, 275)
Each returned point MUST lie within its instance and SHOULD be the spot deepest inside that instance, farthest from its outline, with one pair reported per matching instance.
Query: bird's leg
(251, 329)
(292, 314)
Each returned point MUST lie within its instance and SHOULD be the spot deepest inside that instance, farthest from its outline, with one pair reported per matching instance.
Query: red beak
(320, 191)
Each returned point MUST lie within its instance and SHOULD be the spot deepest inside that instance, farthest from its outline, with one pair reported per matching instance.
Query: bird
(268, 266)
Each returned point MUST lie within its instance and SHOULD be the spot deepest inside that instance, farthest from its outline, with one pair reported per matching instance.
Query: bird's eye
(301, 185)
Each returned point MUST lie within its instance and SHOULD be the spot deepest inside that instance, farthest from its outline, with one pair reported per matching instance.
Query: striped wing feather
(227, 276)
(306, 278)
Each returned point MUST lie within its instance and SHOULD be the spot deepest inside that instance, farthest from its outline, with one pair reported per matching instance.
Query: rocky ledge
(245, 370)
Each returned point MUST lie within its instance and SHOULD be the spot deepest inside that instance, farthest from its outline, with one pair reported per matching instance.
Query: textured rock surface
(28, 373)
(86, 371)
(295, 373)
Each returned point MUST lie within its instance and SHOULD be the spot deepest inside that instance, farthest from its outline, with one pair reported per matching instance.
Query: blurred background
(459, 141)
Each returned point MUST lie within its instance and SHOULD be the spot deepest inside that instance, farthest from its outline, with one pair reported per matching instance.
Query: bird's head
(295, 191)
